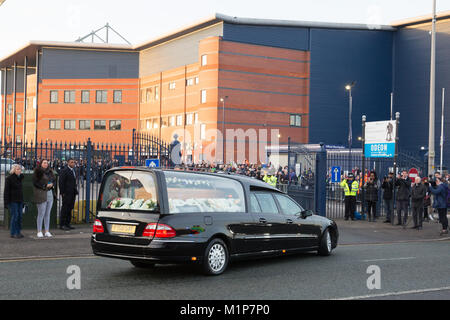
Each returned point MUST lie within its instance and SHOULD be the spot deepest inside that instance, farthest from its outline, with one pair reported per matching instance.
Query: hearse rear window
(130, 190)
(188, 192)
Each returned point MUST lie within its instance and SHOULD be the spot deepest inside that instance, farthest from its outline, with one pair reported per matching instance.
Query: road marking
(399, 293)
(389, 259)
(393, 242)
(25, 259)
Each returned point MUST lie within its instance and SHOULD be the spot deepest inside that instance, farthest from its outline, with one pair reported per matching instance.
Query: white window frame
(204, 60)
(203, 96)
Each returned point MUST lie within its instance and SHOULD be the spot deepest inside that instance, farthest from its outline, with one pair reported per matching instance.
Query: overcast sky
(142, 20)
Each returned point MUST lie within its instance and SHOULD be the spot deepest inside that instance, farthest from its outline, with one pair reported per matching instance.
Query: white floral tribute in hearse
(131, 204)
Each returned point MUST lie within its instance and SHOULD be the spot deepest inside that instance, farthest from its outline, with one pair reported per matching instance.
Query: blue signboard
(152, 163)
(380, 139)
(336, 174)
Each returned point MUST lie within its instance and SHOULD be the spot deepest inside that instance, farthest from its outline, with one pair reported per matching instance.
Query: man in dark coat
(371, 196)
(68, 190)
(404, 192)
(418, 193)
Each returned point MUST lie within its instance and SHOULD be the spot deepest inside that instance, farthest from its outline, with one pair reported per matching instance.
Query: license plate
(120, 228)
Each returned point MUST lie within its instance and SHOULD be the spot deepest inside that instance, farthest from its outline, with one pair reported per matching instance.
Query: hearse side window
(129, 190)
(254, 205)
(288, 206)
(267, 202)
(189, 192)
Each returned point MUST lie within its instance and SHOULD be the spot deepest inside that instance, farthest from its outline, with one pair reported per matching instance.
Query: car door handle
(262, 220)
(289, 221)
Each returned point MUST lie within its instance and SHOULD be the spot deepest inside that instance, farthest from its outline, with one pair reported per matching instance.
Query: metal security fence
(354, 163)
(92, 161)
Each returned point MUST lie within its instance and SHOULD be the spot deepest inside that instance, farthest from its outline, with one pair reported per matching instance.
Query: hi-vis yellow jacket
(272, 180)
(348, 192)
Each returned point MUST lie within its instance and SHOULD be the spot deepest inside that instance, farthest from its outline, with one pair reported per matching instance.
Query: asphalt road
(410, 270)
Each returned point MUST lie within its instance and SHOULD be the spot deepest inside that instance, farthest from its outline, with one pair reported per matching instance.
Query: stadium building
(230, 73)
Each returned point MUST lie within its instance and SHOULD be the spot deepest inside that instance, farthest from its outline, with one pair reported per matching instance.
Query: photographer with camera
(388, 196)
(439, 189)
(403, 193)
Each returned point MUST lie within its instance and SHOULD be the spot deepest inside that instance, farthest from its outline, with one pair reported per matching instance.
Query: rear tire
(216, 258)
(142, 265)
(326, 244)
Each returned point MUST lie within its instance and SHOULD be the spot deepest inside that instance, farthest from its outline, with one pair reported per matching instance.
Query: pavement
(77, 242)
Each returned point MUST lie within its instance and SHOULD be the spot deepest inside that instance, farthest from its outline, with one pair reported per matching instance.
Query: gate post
(88, 179)
(320, 192)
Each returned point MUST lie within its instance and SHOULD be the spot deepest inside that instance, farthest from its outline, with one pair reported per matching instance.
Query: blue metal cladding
(282, 37)
(339, 57)
(412, 86)
(85, 64)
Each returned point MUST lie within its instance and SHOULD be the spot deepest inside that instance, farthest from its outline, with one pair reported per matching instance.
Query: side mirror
(307, 213)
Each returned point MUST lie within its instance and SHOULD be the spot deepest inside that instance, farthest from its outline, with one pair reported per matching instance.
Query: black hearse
(152, 216)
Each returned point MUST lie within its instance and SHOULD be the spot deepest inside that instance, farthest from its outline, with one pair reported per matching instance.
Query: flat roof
(29, 50)
(421, 19)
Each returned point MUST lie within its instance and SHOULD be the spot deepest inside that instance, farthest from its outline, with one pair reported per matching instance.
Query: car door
(270, 226)
(303, 232)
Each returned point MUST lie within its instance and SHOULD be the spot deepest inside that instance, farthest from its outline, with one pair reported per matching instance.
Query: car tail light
(159, 231)
(98, 227)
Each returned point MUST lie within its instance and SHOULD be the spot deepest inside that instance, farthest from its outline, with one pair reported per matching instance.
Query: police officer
(351, 187)
(270, 178)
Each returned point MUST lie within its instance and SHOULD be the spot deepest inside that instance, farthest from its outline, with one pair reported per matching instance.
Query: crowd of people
(282, 174)
(416, 193)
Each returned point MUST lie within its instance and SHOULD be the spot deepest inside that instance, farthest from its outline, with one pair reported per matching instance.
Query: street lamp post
(223, 128)
(350, 107)
(431, 129)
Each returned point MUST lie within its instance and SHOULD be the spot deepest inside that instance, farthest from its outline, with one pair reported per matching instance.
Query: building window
(197, 80)
(172, 121)
(85, 125)
(117, 96)
(55, 124)
(9, 108)
(156, 93)
(149, 94)
(85, 96)
(204, 60)
(101, 96)
(196, 118)
(295, 120)
(203, 96)
(53, 96)
(34, 103)
(149, 124)
(190, 82)
(19, 118)
(69, 96)
(18, 139)
(172, 86)
(8, 132)
(189, 119)
(69, 125)
(100, 125)
(164, 122)
(142, 96)
(115, 125)
(179, 121)
(155, 124)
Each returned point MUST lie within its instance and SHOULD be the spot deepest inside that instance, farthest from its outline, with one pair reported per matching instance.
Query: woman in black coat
(13, 200)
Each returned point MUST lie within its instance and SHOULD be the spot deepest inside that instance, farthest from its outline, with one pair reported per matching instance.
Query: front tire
(216, 258)
(326, 245)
